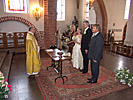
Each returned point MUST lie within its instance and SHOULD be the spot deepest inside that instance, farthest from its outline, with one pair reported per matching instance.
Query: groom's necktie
(92, 35)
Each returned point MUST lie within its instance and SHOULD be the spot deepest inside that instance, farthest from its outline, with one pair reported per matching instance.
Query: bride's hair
(80, 29)
(73, 27)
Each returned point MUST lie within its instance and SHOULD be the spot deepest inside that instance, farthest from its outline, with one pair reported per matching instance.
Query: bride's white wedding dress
(77, 58)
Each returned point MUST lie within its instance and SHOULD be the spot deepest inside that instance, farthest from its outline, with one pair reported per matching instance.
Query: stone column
(129, 33)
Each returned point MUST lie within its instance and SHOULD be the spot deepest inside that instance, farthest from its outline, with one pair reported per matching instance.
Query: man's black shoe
(84, 72)
(91, 81)
(81, 70)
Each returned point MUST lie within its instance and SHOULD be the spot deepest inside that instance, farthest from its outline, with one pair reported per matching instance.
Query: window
(60, 10)
(87, 10)
(16, 6)
(127, 8)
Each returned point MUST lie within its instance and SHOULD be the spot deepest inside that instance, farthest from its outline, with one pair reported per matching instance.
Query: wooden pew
(127, 51)
(131, 53)
(122, 49)
(12, 40)
(20, 39)
(113, 47)
(3, 40)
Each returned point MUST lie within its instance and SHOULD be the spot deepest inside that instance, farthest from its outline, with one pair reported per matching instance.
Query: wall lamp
(37, 12)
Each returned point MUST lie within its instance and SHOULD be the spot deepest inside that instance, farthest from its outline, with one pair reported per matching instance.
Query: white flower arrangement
(124, 76)
(5, 88)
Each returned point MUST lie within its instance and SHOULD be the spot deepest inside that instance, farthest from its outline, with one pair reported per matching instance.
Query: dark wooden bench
(113, 47)
(121, 49)
(6, 65)
(2, 57)
(12, 40)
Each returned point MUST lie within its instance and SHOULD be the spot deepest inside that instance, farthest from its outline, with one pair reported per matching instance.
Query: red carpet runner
(76, 87)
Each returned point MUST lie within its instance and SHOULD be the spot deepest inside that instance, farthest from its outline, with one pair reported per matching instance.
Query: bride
(77, 59)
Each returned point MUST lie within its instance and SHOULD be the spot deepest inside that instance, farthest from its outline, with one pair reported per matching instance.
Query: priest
(33, 63)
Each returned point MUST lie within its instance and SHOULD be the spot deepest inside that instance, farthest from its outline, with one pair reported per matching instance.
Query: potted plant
(124, 76)
(5, 88)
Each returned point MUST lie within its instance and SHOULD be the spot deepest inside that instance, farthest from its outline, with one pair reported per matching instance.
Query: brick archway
(19, 19)
(40, 36)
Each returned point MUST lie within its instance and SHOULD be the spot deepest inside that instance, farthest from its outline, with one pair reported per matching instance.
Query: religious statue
(75, 22)
(108, 41)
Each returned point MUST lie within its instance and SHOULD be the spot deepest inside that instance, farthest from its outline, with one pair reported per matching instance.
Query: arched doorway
(124, 32)
(103, 13)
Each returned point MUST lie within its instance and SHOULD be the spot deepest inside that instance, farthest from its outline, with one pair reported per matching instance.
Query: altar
(58, 56)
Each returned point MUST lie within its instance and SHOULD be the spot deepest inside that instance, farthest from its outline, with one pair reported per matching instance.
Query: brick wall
(49, 22)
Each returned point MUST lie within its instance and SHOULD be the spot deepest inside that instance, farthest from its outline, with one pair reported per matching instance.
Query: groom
(86, 37)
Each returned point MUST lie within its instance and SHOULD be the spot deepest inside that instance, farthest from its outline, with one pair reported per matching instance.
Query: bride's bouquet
(74, 38)
(67, 40)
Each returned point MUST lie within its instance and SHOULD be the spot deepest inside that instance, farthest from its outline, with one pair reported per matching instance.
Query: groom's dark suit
(95, 53)
(84, 46)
